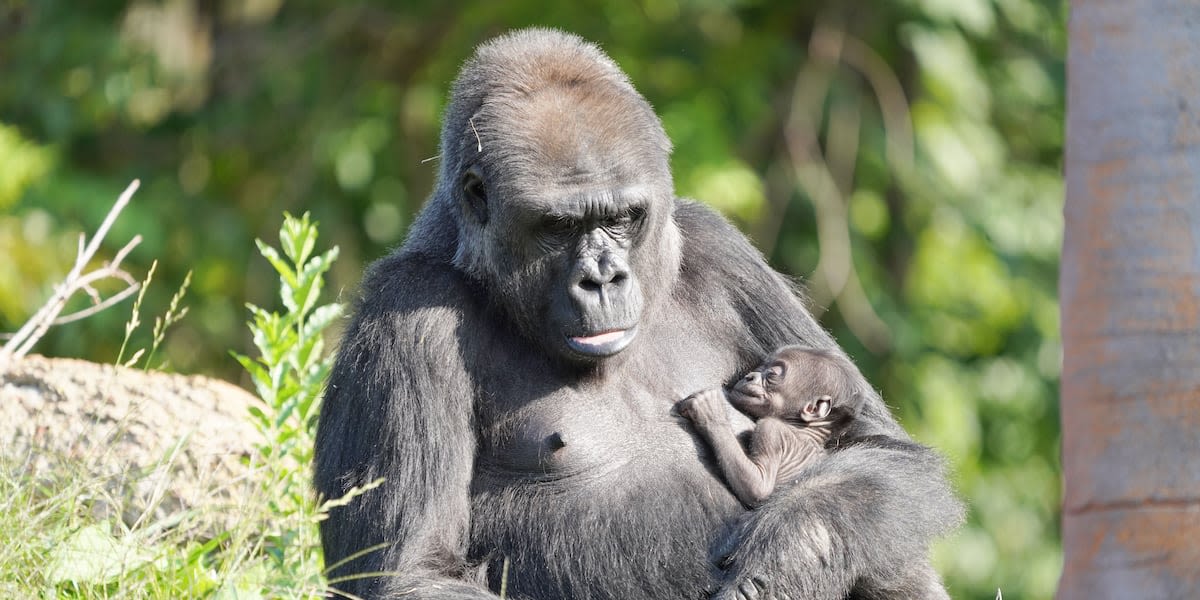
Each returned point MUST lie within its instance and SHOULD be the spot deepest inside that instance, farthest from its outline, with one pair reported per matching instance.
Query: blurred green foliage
(904, 157)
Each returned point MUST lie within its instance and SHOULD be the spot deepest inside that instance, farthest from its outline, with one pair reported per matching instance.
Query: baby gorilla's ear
(818, 408)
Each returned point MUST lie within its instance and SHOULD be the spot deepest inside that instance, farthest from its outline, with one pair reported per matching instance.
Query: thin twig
(76, 280)
(78, 315)
(132, 286)
(478, 142)
(69, 287)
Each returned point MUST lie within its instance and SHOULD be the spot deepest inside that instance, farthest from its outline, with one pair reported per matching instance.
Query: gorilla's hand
(755, 567)
(704, 408)
(738, 584)
(748, 588)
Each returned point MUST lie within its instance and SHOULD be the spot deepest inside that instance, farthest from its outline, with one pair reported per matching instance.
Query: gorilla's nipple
(555, 442)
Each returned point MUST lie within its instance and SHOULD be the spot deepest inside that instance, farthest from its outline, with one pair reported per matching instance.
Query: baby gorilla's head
(800, 383)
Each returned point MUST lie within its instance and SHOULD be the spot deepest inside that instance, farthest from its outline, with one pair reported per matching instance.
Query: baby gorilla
(800, 398)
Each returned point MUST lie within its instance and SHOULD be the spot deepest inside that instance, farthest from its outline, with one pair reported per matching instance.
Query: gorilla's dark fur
(511, 370)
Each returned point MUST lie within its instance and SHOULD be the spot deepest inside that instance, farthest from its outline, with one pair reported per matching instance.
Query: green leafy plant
(289, 374)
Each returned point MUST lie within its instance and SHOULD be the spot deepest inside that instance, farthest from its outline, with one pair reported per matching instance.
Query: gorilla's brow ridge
(591, 202)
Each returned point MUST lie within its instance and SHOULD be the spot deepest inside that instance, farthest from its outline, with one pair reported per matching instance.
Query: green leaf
(285, 270)
(298, 237)
(93, 555)
(258, 374)
(320, 318)
(304, 296)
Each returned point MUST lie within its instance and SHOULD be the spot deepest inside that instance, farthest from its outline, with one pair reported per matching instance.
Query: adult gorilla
(511, 370)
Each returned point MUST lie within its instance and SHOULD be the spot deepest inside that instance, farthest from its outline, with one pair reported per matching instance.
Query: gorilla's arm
(866, 510)
(865, 513)
(398, 404)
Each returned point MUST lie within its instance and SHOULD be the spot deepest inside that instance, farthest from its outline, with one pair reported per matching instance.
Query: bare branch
(897, 125)
(104, 304)
(812, 85)
(826, 175)
(75, 281)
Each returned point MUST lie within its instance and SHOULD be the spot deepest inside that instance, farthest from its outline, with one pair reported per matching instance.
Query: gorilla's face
(784, 384)
(573, 195)
(578, 251)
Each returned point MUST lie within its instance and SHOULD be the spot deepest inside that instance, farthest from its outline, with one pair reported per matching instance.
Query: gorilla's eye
(623, 220)
(557, 227)
(616, 222)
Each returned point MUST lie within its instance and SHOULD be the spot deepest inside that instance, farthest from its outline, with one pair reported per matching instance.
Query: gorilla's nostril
(589, 286)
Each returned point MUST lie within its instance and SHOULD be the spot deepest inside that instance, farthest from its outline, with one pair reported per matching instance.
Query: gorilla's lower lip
(605, 343)
(739, 396)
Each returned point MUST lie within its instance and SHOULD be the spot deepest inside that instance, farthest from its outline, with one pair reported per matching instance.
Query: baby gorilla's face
(783, 387)
(762, 392)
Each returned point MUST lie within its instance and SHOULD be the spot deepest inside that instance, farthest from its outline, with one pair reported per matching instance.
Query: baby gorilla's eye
(774, 374)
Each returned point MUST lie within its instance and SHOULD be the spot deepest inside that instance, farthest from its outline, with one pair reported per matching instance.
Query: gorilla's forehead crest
(556, 108)
(576, 133)
(532, 59)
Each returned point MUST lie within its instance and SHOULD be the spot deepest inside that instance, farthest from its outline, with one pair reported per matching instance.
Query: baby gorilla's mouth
(605, 343)
(741, 394)
(743, 398)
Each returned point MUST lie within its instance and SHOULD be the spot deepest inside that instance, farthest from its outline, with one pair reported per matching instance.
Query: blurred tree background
(904, 158)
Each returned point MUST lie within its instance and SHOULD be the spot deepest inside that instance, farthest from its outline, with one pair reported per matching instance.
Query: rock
(122, 426)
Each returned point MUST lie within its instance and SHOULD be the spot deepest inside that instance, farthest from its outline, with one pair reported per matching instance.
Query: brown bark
(1130, 292)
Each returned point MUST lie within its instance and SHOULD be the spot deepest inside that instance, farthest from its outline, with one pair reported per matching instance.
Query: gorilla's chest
(565, 433)
(598, 428)
(577, 431)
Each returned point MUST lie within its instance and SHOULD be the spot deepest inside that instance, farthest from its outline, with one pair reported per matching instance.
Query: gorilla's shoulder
(405, 281)
(697, 218)
(710, 241)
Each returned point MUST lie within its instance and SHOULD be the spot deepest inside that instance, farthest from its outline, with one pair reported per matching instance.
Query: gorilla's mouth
(605, 343)
(740, 396)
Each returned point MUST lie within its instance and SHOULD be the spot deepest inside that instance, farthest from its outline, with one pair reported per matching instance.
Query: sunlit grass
(75, 534)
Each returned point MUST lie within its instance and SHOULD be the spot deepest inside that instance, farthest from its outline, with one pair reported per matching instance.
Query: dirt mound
(143, 434)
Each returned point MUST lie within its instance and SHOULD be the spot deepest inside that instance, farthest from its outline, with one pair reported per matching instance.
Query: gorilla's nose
(601, 277)
(752, 377)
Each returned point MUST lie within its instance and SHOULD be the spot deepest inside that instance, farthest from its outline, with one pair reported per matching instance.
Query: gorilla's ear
(475, 195)
(818, 408)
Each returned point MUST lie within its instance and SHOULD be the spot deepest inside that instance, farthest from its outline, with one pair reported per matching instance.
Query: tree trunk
(1130, 293)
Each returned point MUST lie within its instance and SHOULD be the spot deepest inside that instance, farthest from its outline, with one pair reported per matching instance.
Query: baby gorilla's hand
(704, 408)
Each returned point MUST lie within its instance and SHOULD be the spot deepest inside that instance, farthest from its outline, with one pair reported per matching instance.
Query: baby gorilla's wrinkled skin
(800, 397)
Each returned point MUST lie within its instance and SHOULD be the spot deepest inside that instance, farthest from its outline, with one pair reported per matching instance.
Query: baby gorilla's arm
(752, 478)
